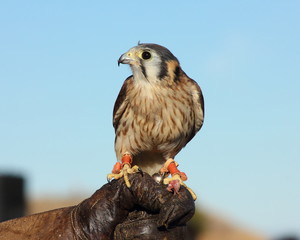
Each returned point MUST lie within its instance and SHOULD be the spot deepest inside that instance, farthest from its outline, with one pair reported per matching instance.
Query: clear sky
(59, 79)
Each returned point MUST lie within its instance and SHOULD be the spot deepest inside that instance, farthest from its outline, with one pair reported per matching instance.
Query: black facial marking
(176, 73)
(163, 70)
(143, 70)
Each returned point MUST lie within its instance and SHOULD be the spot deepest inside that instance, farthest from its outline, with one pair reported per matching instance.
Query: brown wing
(121, 103)
(198, 106)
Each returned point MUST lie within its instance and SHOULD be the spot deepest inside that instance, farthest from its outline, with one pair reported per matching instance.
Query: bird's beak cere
(126, 58)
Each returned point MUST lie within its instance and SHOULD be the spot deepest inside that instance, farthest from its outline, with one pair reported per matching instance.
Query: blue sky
(59, 80)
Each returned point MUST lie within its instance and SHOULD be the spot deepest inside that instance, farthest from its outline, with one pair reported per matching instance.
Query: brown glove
(144, 211)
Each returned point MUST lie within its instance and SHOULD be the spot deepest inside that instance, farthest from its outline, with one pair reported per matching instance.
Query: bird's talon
(123, 172)
(194, 196)
(140, 171)
(174, 185)
(107, 179)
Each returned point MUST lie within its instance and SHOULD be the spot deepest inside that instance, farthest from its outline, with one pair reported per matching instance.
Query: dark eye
(146, 55)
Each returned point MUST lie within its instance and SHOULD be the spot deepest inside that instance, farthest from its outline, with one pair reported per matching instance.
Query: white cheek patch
(152, 71)
(153, 68)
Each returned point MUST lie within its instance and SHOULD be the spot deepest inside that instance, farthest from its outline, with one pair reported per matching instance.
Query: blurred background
(59, 80)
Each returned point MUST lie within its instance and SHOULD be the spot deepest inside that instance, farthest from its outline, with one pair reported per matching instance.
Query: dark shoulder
(122, 94)
(196, 90)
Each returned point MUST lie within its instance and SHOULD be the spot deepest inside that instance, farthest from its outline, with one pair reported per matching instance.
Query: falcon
(159, 109)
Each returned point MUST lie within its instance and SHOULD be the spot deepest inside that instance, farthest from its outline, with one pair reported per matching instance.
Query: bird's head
(151, 62)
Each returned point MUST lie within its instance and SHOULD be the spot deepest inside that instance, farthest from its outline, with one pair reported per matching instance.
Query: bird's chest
(158, 114)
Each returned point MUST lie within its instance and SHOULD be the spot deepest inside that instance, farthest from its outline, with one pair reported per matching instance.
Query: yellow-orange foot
(174, 182)
(123, 169)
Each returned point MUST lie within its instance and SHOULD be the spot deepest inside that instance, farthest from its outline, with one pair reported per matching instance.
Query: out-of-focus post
(12, 197)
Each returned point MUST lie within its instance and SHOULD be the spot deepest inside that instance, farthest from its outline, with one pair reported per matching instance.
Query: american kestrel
(158, 111)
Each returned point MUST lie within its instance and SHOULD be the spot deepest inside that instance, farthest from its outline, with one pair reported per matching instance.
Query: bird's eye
(146, 55)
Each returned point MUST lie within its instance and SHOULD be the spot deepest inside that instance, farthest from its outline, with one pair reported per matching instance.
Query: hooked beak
(125, 59)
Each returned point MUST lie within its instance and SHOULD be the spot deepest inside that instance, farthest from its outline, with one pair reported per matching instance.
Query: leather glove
(146, 210)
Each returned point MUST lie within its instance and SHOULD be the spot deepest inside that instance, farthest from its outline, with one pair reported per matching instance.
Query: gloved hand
(115, 211)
